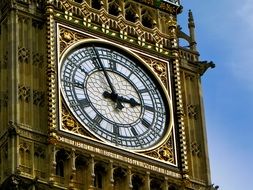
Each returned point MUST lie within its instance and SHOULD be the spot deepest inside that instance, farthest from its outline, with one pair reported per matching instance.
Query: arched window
(114, 7)
(155, 184)
(96, 4)
(130, 13)
(80, 164)
(172, 187)
(61, 157)
(137, 182)
(99, 177)
(147, 19)
(39, 161)
(119, 176)
(60, 168)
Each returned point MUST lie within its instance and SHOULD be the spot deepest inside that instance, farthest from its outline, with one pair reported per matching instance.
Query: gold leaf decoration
(165, 152)
(71, 125)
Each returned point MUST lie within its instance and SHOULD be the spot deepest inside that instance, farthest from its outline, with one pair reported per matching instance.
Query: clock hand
(131, 101)
(118, 103)
(104, 71)
(114, 98)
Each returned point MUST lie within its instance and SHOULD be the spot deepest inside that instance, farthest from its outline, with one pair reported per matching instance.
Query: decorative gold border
(171, 131)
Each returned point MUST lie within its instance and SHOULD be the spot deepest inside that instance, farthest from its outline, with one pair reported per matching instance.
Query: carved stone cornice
(119, 28)
(171, 6)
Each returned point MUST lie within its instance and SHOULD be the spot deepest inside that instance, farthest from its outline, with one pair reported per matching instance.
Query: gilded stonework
(68, 123)
(67, 38)
(160, 68)
(138, 26)
(166, 152)
(51, 70)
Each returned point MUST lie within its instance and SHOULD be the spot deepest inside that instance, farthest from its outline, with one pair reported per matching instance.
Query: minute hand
(131, 101)
(105, 73)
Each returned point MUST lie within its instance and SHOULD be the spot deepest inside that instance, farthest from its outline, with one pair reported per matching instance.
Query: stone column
(91, 173)
(147, 181)
(52, 165)
(73, 169)
(109, 184)
(129, 177)
(165, 184)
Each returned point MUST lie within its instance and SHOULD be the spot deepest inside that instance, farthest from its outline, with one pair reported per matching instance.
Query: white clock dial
(114, 96)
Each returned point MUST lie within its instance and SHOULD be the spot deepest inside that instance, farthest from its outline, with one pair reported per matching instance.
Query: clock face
(114, 96)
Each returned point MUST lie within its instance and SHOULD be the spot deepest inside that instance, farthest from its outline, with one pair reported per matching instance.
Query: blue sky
(224, 32)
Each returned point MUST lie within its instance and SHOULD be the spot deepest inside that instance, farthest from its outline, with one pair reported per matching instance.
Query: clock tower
(99, 95)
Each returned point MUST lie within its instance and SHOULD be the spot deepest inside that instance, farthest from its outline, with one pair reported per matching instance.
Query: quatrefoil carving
(23, 54)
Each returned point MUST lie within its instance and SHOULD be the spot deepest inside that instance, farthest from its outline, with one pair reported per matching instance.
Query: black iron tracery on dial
(140, 118)
(114, 95)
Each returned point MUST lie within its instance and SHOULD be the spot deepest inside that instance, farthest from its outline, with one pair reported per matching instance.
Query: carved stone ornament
(38, 98)
(160, 68)
(38, 59)
(15, 182)
(12, 128)
(26, 147)
(138, 24)
(68, 37)
(23, 55)
(195, 148)
(192, 111)
(189, 77)
(165, 152)
(71, 125)
(24, 93)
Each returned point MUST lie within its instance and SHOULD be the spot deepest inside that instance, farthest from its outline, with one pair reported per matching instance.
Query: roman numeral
(97, 119)
(143, 90)
(134, 131)
(116, 130)
(149, 108)
(84, 102)
(95, 62)
(78, 84)
(145, 123)
(113, 65)
(82, 69)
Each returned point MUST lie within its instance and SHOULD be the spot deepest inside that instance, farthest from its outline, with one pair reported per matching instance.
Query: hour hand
(119, 99)
(131, 101)
(114, 98)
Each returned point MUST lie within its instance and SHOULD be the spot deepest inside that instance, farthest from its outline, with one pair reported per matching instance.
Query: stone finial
(191, 26)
